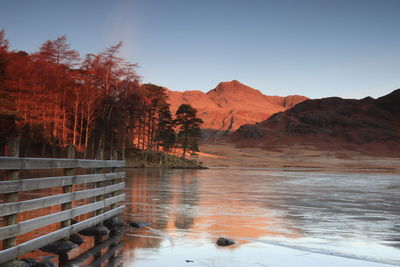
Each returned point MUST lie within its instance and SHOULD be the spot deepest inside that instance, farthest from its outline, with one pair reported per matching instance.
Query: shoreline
(227, 155)
(157, 159)
(162, 167)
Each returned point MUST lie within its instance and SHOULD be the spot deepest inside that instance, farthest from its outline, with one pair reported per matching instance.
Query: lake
(277, 217)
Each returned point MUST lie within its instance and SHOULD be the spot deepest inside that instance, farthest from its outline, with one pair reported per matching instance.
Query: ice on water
(352, 216)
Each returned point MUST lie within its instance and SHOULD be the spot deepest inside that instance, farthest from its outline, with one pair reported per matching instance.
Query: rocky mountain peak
(230, 105)
(231, 88)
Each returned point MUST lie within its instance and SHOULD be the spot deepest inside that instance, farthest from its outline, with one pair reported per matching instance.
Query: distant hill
(367, 125)
(230, 105)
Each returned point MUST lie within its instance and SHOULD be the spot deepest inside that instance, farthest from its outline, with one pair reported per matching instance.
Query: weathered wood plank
(16, 163)
(40, 183)
(13, 151)
(43, 202)
(32, 224)
(11, 253)
(68, 188)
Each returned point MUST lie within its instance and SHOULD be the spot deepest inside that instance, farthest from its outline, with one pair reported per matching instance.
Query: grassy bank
(155, 159)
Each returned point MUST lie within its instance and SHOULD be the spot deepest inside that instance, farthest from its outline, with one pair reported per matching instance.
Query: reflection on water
(106, 253)
(351, 215)
(290, 218)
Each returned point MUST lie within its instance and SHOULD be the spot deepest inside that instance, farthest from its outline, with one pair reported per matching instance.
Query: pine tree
(166, 133)
(189, 127)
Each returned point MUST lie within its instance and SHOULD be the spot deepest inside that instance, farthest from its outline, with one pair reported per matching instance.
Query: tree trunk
(44, 134)
(81, 130)
(87, 133)
(55, 120)
(112, 145)
(64, 131)
(149, 130)
(75, 120)
(123, 147)
(184, 145)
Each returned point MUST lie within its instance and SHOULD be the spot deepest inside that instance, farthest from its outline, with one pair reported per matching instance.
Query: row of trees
(52, 99)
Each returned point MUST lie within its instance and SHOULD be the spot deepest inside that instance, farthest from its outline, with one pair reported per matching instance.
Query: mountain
(230, 105)
(367, 125)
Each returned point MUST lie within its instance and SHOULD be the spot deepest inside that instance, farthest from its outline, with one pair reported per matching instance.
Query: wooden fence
(106, 191)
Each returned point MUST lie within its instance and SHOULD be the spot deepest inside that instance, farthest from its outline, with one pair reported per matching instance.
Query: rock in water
(138, 224)
(114, 222)
(95, 231)
(60, 246)
(77, 239)
(224, 242)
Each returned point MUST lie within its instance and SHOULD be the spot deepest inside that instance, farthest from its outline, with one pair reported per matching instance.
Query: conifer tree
(189, 127)
(166, 132)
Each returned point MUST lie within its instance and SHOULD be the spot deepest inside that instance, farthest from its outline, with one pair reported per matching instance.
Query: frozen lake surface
(278, 218)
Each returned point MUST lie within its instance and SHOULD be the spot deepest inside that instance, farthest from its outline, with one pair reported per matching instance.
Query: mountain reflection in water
(350, 215)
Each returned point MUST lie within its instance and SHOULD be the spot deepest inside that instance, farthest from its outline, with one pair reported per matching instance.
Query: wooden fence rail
(106, 190)
(16, 163)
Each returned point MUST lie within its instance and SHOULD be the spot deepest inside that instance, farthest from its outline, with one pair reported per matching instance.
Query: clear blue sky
(317, 48)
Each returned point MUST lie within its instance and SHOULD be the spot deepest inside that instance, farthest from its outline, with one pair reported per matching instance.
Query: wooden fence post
(68, 188)
(13, 151)
(113, 206)
(71, 151)
(114, 181)
(114, 155)
(100, 156)
(99, 239)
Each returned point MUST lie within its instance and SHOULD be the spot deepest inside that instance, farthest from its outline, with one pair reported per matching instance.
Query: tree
(54, 80)
(189, 127)
(165, 128)
(58, 51)
(14, 69)
(109, 75)
(7, 101)
(154, 98)
(3, 56)
(3, 41)
(47, 100)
